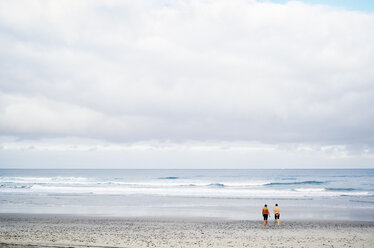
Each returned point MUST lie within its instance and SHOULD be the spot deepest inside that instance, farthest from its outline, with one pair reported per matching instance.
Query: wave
(16, 186)
(170, 181)
(362, 201)
(173, 183)
(145, 184)
(341, 189)
(217, 185)
(325, 189)
(309, 189)
(48, 180)
(209, 192)
(296, 183)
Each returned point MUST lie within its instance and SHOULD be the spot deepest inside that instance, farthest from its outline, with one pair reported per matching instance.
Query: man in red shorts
(276, 214)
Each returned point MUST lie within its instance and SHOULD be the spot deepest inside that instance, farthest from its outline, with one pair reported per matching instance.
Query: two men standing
(266, 214)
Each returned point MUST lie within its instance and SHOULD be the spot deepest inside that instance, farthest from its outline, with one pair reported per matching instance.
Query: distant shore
(28, 230)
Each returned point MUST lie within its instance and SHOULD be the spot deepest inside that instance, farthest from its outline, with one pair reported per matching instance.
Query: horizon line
(187, 168)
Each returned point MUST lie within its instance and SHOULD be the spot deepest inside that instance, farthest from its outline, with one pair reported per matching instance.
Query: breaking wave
(296, 183)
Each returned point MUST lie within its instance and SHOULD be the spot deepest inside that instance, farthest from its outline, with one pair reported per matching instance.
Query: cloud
(80, 153)
(222, 71)
(239, 147)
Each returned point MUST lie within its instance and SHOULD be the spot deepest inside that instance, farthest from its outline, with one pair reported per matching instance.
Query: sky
(357, 5)
(186, 84)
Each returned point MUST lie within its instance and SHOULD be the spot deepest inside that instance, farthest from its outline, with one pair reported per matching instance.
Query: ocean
(227, 194)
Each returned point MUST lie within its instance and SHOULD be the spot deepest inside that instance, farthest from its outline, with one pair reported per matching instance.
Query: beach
(31, 230)
(185, 208)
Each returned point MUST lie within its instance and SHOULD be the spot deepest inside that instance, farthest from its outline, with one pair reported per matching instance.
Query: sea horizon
(351, 168)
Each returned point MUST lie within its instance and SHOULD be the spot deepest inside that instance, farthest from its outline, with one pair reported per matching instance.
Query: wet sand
(18, 230)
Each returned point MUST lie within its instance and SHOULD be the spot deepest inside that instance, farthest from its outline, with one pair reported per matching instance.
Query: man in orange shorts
(265, 214)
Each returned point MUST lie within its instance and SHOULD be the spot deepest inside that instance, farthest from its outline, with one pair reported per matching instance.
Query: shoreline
(198, 219)
(50, 230)
(228, 212)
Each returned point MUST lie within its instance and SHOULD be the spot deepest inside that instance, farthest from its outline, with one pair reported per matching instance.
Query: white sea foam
(47, 180)
(310, 189)
(103, 181)
(177, 191)
(189, 184)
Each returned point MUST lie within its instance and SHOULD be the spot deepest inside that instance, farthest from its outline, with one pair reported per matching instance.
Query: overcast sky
(186, 84)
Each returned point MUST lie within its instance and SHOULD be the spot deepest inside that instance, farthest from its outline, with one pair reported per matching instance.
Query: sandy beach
(81, 231)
